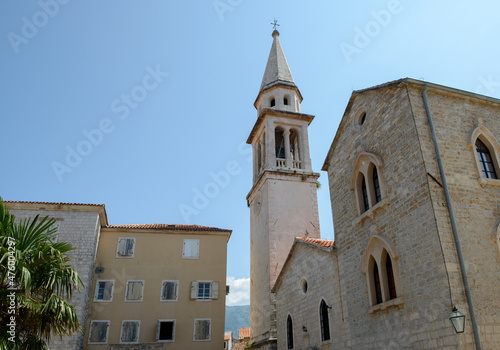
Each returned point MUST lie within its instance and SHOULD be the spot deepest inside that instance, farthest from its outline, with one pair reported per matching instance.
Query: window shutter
(121, 246)
(158, 330)
(108, 288)
(134, 328)
(130, 247)
(194, 290)
(191, 248)
(98, 332)
(215, 290)
(138, 287)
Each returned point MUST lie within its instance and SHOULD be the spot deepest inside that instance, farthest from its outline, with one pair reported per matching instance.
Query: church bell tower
(283, 200)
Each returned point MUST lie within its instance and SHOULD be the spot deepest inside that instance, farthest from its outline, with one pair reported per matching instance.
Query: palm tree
(36, 280)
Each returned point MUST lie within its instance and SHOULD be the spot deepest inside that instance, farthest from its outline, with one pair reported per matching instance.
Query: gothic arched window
(366, 204)
(391, 284)
(382, 273)
(485, 160)
(324, 321)
(376, 185)
(367, 181)
(289, 332)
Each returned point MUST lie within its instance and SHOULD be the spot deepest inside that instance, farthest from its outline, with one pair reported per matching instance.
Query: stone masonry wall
(476, 208)
(319, 269)
(407, 221)
(82, 230)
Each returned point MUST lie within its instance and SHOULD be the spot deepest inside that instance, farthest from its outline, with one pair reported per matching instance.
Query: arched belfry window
(273, 102)
(324, 321)
(289, 332)
(486, 151)
(279, 139)
(382, 273)
(367, 181)
(485, 160)
(295, 149)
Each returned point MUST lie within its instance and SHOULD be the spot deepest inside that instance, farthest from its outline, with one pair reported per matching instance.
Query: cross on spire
(275, 24)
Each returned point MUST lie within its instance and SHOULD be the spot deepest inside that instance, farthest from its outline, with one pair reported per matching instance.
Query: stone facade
(79, 225)
(387, 128)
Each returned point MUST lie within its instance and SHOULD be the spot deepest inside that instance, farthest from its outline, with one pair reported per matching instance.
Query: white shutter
(215, 290)
(194, 290)
(122, 244)
(158, 330)
(191, 249)
(108, 291)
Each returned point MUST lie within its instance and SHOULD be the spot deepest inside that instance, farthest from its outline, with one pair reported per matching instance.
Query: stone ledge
(370, 213)
(399, 301)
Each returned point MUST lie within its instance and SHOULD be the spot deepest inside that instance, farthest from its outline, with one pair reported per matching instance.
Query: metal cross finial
(275, 24)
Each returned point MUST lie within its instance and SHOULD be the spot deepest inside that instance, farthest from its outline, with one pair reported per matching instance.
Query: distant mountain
(237, 317)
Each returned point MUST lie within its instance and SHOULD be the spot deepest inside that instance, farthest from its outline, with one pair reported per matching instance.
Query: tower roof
(277, 70)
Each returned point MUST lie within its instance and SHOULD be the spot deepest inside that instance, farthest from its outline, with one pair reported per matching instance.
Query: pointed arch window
(486, 152)
(485, 160)
(376, 281)
(376, 185)
(324, 321)
(367, 182)
(364, 191)
(382, 274)
(391, 284)
(289, 332)
(279, 139)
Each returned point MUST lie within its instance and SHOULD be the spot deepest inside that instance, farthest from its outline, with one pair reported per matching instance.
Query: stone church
(413, 176)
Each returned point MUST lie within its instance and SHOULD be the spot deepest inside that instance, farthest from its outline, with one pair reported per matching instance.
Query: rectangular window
(191, 249)
(202, 329)
(130, 332)
(134, 290)
(166, 330)
(125, 247)
(204, 290)
(104, 290)
(169, 290)
(98, 333)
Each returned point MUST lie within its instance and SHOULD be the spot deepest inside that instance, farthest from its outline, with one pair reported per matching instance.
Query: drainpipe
(453, 225)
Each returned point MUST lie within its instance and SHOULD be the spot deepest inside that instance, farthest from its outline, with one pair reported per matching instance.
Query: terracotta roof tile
(245, 332)
(177, 227)
(319, 242)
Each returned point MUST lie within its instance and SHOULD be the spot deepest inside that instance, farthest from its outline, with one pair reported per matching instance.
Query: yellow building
(158, 284)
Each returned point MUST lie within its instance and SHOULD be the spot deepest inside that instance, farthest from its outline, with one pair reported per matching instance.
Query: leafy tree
(36, 280)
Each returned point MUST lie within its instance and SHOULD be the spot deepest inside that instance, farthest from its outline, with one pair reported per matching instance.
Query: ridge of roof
(169, 227)
(53, 203)
(319, 242)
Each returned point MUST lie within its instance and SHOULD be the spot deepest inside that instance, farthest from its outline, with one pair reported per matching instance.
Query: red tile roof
(245, 332)
(319, 242)
(176, 227)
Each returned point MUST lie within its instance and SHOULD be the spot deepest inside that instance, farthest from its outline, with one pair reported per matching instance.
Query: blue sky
(144, 105)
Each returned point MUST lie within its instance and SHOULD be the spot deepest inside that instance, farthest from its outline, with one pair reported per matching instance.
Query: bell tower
(283, 200)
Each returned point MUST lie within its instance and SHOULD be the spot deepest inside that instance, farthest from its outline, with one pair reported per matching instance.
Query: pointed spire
(277, 70)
